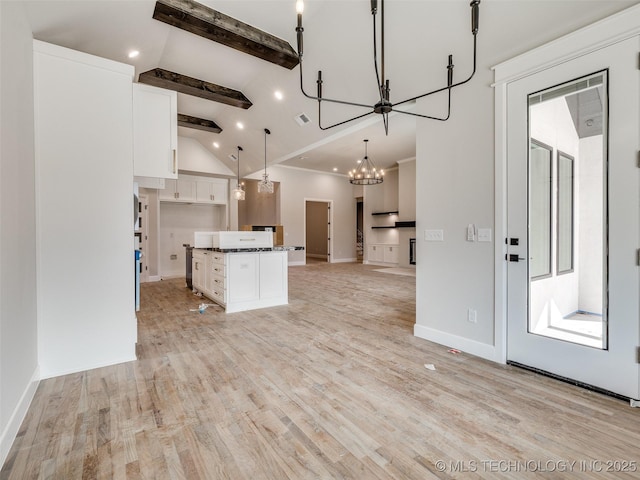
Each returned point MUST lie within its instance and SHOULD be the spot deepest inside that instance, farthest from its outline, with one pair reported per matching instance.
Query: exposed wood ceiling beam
(159, 77)
(198, 123)
(213, 25)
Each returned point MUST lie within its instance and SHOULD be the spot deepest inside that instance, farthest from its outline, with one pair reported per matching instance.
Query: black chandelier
(366, 173)
(384, 105)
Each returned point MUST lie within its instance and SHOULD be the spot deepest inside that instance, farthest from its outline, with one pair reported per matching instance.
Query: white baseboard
(297, 264)
(92, 366)
(482, 350)
(13, 426)
(343, 260)
(153, 278)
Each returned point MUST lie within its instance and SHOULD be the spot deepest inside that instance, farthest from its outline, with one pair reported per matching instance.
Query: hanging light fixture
(366, 172)
(238, 192)
(265, 185)
(383, 105)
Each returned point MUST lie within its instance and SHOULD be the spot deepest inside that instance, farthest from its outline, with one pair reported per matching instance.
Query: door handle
(513, 257)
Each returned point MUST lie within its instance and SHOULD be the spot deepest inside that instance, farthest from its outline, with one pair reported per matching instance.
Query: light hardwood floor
(333, 385)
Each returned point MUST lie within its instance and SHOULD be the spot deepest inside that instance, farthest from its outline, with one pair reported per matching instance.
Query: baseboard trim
(117, 361)
(297, 264)
(13, 426)
(482, 350)
(343, 260)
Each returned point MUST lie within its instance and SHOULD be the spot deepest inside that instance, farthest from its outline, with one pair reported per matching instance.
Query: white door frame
(330, 232)
(617, 27)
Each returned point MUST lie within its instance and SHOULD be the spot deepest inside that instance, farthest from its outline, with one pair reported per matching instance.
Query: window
(565, 176)
(540, 159)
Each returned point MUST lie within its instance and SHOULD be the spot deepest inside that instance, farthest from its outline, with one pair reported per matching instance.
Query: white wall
(178, 222)
(296, 186)
(455, 167)
(18, 322)
(381, 198)
(406, 208)
(590, 220)
(84, 205)
(193, 157)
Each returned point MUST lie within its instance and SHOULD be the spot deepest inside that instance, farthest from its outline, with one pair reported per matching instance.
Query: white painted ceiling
(338, 40)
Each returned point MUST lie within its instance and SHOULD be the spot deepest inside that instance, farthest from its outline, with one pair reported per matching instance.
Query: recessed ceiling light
(134, 53)
(240, 125)
(216, 144)
(335, 169)
(278, 94)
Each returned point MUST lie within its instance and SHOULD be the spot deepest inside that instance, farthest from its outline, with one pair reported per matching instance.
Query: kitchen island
(242, 278)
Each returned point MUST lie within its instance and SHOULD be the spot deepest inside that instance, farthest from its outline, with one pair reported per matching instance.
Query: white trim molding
(13, 425)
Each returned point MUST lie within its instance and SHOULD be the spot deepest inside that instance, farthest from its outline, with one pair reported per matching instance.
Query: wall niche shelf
(393, 212)
(407, 224)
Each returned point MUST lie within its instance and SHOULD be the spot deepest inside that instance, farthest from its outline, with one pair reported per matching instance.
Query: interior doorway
(318, 231)
(359, 229)
(142, 236)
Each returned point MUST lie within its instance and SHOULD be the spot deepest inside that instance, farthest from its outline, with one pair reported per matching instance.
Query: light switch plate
(434, 235)
(484, 234)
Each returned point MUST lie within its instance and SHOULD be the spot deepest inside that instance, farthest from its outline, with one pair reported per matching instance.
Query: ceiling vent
(302, 119)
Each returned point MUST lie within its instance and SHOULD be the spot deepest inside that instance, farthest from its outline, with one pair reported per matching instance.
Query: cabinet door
(169, 190)
(198, 268)
(204, 191)
(219, 192)
(155, 132)
(243, 277)
(390, 254)
(376, 253)
(185, 190)
(273, 275)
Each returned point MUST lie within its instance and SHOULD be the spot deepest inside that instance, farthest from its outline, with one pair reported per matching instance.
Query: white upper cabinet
(155, 132)
(208, 191)
(180, 190)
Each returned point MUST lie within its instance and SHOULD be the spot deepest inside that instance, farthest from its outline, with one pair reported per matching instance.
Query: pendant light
(366, 172)
(265, 185)
(238, 192)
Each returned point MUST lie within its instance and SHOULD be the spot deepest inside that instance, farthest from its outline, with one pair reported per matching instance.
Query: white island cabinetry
(241, 281)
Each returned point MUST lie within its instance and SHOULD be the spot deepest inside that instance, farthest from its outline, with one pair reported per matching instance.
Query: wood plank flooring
(333, 385)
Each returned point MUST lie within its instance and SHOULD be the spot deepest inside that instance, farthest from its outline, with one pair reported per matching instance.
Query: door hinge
(638, 257)
(637, 354)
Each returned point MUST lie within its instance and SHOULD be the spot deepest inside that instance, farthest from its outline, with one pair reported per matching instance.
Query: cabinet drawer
(218, 282)
(218, 269)
(218, 258)
(219, 295)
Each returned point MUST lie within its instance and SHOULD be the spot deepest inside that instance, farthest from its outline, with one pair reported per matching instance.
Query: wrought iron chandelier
(383, 105)
(366, 172)
(265, 185)
(238, 192)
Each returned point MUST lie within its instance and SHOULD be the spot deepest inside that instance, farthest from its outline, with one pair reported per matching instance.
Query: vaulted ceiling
(337, 40)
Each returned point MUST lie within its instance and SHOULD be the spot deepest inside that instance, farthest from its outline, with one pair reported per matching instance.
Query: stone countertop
(277, 248)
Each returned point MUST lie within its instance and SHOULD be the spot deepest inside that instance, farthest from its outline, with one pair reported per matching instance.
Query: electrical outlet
(174, 257)
(472, 315)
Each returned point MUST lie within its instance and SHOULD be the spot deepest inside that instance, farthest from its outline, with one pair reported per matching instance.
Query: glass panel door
(567, 210)
(573, 219)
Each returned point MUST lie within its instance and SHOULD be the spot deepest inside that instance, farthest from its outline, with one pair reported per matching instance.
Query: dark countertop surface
(277, 248)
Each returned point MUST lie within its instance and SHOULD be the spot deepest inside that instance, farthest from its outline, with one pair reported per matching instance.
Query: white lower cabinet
(383, 254)
(242, 281)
